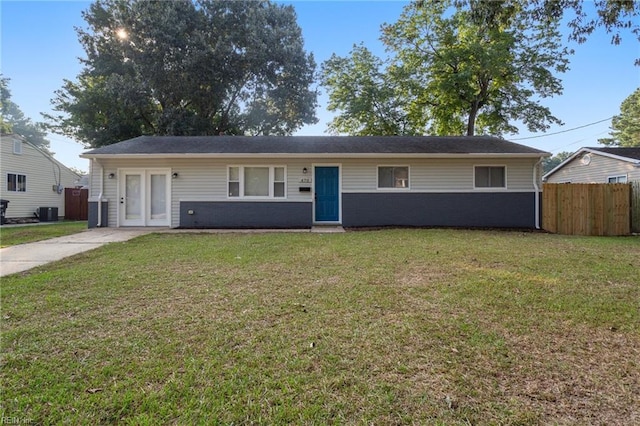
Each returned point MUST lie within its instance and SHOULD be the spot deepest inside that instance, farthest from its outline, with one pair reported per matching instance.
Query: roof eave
(614, 156)
(319, 155)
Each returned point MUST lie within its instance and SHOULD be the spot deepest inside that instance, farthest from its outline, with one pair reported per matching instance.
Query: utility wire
(562, 131)
(577, 142)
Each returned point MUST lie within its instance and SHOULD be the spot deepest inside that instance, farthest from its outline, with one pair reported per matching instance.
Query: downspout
(537, 193)
(99, 224)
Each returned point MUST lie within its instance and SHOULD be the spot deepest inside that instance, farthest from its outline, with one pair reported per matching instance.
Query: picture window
(393, 177)
(257, 182)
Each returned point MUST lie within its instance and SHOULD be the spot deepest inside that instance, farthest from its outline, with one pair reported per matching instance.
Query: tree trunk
(471, 123)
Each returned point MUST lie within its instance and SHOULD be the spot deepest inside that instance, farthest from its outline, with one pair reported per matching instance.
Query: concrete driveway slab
(23, 257)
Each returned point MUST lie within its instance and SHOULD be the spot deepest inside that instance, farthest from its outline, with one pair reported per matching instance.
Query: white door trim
(145, 197)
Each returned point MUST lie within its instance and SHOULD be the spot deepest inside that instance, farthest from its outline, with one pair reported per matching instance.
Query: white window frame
(17, 175)
(490, 188)
(618, 179)
(272, 182)
(393, 188)
(17, 147)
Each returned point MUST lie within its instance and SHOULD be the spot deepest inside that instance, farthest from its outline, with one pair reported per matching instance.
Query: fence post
(635, 206)
(550, 207)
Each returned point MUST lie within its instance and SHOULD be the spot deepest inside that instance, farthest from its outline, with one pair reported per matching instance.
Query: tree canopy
(456, 68)
(361, 86)
(625, 127)
(184, 67)
(551, 163)
(13, 119)
(612, 15)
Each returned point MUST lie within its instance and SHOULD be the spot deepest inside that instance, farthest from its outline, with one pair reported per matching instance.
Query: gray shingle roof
(175, 145)
(633, 153)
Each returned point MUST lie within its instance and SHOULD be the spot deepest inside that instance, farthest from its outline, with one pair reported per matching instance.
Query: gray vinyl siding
(436, 175)
(599, 169)
(42, 174)
(205, 179)
(198, 180)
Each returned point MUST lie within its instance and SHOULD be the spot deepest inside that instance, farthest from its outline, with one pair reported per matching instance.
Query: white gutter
(537, 193)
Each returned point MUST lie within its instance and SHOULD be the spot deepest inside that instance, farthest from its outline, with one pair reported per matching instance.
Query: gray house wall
(441, 192)
(92, 214)
(506, 210)
(208, 214)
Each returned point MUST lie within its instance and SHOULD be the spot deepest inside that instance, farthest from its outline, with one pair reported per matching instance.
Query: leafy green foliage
(612, 15)
(362, 87)
(625, 127)
(455, 71)
(187, 68)
(551, 163)
(13, 119)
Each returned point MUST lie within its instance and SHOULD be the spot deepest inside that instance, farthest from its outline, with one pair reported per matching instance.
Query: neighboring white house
(30, 178)
(598, 165)
(302, 181)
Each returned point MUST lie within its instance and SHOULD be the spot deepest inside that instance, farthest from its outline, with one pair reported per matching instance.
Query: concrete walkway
(22, 257)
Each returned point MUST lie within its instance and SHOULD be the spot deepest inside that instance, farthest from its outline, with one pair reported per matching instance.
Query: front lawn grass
(12, 235)
(382, 327)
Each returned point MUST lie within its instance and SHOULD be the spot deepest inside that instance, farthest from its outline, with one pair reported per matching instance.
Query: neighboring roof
(336, 146)
(627, 153)
(631, 155)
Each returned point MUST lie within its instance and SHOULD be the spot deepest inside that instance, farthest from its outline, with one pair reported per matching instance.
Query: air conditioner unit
(48, 214)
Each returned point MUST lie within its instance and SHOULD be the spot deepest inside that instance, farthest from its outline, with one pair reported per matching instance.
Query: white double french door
(144, 197)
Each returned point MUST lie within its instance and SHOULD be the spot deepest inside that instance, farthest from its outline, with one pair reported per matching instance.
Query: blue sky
(39, 49)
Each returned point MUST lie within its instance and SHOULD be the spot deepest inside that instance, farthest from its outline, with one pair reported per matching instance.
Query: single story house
(302, 181)
(31, 180)
(598, 165)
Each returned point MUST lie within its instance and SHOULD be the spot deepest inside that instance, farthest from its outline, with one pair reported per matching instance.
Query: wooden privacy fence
(76, 204)
(586, 208)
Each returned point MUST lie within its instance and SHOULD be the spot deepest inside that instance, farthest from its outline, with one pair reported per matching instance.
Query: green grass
(383, 327)
(10, 236)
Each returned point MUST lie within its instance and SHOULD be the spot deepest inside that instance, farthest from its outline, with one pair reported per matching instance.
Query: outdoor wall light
(175, 175)
(304, 171)
(111, 175)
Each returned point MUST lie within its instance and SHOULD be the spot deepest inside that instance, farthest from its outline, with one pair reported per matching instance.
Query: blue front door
(327, 196)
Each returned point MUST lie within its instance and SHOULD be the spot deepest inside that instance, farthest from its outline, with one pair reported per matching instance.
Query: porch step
(327, 229)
